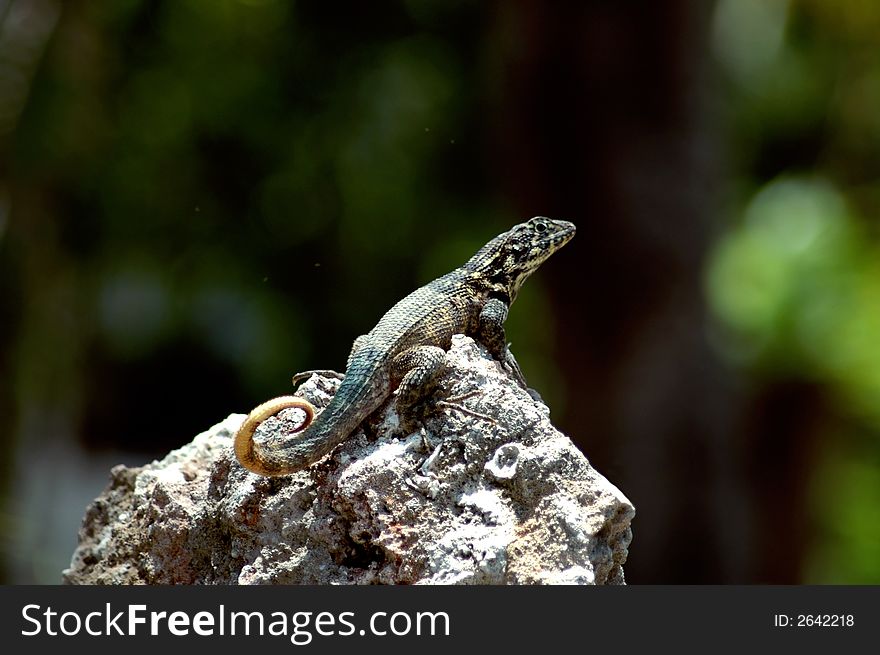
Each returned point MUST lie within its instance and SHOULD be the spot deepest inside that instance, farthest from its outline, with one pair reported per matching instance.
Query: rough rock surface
(480, 489)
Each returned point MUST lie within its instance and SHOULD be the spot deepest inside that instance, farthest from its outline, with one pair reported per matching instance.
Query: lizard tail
(251, 455)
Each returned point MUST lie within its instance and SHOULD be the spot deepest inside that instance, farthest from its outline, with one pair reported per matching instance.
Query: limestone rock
(479, 489)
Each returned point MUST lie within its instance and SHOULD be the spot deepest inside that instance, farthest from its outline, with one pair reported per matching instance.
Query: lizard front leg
(491, 334)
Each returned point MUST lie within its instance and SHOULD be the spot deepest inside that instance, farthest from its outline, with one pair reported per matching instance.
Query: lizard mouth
(562, 233)
(567, 229)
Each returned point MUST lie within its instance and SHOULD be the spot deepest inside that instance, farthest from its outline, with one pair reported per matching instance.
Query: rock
(482, 489)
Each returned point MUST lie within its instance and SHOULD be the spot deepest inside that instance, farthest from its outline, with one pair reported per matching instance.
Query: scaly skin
(406, 349)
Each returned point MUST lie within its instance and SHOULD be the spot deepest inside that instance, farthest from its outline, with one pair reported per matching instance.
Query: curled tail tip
(252, 456)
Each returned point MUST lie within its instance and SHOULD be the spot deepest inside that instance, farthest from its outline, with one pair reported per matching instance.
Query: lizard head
(507, 260)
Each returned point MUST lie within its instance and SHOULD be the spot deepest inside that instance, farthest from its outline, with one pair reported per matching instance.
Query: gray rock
(481, 489)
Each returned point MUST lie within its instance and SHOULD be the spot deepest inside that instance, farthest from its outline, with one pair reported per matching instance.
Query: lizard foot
(305, 375)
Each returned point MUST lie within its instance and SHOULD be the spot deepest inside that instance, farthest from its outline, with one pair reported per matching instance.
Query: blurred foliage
(799, 285)
(844, 497)
(795, 280)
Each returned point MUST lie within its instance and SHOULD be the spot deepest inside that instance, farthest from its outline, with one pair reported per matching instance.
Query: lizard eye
(540, 227)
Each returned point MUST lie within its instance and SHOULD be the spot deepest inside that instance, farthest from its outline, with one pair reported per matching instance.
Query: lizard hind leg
(253, 456)
(417, 369)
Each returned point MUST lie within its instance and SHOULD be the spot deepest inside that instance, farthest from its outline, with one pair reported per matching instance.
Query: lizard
(407, 347)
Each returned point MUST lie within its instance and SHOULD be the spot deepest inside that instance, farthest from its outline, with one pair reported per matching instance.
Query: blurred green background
(199, 198)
